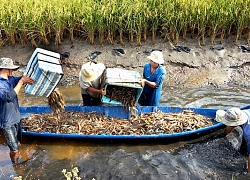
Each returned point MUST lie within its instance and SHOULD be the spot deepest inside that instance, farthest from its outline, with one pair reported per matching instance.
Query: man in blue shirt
(153, 77)
(234, 117)
(9, 107)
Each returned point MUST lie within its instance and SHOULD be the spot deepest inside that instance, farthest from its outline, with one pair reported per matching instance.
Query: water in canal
(206, 157)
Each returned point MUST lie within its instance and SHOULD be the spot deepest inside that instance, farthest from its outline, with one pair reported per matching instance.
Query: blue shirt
(9, 107)
(153, 95)
(246, 130)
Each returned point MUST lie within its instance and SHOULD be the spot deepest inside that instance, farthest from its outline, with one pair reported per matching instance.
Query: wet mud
(216, 65)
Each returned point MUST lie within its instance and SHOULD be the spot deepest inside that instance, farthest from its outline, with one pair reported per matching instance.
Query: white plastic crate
(121, 78)
(45, 68)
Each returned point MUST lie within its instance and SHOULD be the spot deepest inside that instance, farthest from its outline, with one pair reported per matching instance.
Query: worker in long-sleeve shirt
(9, 108)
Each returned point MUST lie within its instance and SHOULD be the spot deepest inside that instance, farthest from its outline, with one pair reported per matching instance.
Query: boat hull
(121, 112)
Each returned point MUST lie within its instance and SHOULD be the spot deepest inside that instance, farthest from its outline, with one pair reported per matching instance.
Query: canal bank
(217, 65)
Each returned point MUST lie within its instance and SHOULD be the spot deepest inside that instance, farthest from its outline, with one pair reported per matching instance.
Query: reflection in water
(45, 158)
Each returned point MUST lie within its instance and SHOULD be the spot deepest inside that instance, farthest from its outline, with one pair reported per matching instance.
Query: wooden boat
(121, 112)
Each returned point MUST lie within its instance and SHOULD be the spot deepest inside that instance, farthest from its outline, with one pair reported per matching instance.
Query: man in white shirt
(90, 83)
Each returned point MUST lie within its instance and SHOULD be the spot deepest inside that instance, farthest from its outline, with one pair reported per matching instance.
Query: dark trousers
(13, 135)
(90, 101)
(142, 100)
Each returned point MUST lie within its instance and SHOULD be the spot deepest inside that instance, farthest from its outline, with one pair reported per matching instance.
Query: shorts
(13, 134)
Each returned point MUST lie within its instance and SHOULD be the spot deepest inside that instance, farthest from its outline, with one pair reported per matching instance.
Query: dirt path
(218, 65)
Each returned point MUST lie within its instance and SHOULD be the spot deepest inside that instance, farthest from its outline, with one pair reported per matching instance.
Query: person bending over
(234, 117)
(90, 83)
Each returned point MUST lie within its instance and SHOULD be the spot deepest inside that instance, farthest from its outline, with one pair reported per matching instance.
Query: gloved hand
(235, 137)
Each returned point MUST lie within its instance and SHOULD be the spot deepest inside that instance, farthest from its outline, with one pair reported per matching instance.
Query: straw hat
(88, 73)
(157, 57)
(231, 117)
(7, 63)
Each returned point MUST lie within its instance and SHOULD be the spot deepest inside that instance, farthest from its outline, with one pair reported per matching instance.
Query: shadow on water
(205, 156)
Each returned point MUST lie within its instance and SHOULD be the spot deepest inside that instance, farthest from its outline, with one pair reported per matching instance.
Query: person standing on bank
(232, 118)
(153, 77)
(90, 83)
(9, 107)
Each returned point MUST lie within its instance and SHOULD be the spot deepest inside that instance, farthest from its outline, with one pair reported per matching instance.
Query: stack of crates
(45, 68)
(117, 77)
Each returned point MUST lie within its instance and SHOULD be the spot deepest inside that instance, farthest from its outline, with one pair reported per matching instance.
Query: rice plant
(44, 22)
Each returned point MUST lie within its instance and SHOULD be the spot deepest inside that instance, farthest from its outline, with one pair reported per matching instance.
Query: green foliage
(43, 22)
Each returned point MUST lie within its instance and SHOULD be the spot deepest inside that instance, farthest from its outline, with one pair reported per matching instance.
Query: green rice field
(109, 21)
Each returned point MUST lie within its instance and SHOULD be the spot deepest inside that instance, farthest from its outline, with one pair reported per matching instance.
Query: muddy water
(205, 157)
(213, 97)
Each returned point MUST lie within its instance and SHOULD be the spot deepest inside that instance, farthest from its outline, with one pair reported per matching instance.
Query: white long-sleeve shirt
(98, 68)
